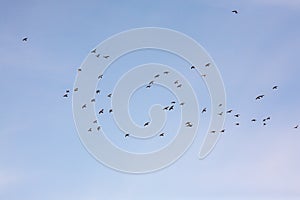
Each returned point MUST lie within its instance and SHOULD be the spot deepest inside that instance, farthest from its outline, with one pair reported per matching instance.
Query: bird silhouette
(203, 75)
(110, 110)
(192, 67)
(67, 91)
(83, 106)
(296, 126)
(156, 76)
(76, 89)
(93, 100)
(25, 39)
(222, 131)
(264, 124)
(162, 134)
(98, 55)
(235, 11)
(179, 86)
(173, 102)
(166, 72)
(275, 87)
(182, 103)
(176, 82)
(100, 76)
(203, 110)
(101, 111)
(213, 131)
(95, 121)
(237, 115)
(148, 86)
(109, 95)
(79, 69)
(229, 111)
(106, 56)
(188, 124)
(253, 120)
(127, 135)
(146, 124)
(97, 91)
(90, 130)
(166, 108)
(207, 64)
(151, 82)
(221, 113)
(171, 107)
(220, 105)
(259, 97)
(93, 51)
(237, 124)
(98, 128)
(65, 95)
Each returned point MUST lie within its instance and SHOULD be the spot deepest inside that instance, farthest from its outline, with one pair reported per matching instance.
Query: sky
(41, 155)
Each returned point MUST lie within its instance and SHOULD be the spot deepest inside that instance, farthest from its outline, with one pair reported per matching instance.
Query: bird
(93, 100)
(229, 111)
(93, 51)
(171, 107)
(182, 103)
(268, 118)
(110, 110)
(259, 97)
(220, 105)
(275, 87)
(148, 86)
(203, 75)
(151, 82)
(237, 124)
(166, 72)
(106, 56)
(192, 67)
(156, 76)
(264, 124)
(296, 126)
(67, 91)
(79, 69)
(173, 102)
(203, 110)
(235, 11)
(109, 95)
(98, 55)
(176, 82)
(95, 121)
(100, 76)
(207, 64)
(222, 131)
(162, 134)
(179, 85)
(83, 106)
(90, 130)
(101, 111)
(189, 125)
(264, 120)
(127, 135)
(166, 108)
(237, 115)
(146, 124)
(76, 89)
(97, 91)
(213, 131)
(25, 39)
(253, 120)
(65, 95)
(98, 128)
(221, 113)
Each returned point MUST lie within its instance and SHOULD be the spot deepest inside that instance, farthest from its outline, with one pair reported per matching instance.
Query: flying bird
(100, 76)
(156, 76)
(179, 85)
(182, 103)
(171, 107)
(127, 135)
(221, 113)
(109, 95)
(25, 39)
(106, 56)
(166, 108)
(83, 106)
(148, 86)
(188, 124)
(98, 128)
(101, 111)
(253, 120)
(90, 130)
(166, 72)
(222, 131)
(67, 91)
(97, 91)
(229, 111)
(65, 95)
(76, 89)
(207, 64)
(220, 105)
(176, 82)
(259, 97)
(203, 110)
(95, 121)
(213, 131)
(235, 11)
(162, 134)
(192, 67)
(237, 115)
(151, 82)
(173, 102)
(146, 124)
(93, 100)
(110, 110)
(79, 69)
(237, 124)
(98, 55)
(275, 87)
(296, 126)
(93, 51)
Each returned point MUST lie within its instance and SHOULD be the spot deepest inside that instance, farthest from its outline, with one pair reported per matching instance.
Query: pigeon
(173, 102)
(203, 110)
(275, 87)
(222, 131)
(259, 97)
(268, 118)
(229, 111)
(207, 64)
(83, 106)
(97, 91)
(171, 107)
(162, 134)
(237, 124)
(148, 86)
(253, 120)
(203, 75)
(127, 135)
(146, 124)
(93, 51)
(100, 76)
(237, 115)
(67, 91)
(235, 11)
(65, 95)
(106, 56)
(110, 110)
(192, 67)
(109, 95)
(101, 111)
(25, 39)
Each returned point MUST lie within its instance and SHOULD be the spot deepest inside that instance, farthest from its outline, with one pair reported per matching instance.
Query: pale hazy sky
(41, 156)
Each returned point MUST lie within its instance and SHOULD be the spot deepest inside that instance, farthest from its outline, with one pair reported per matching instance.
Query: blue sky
(41, 156)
